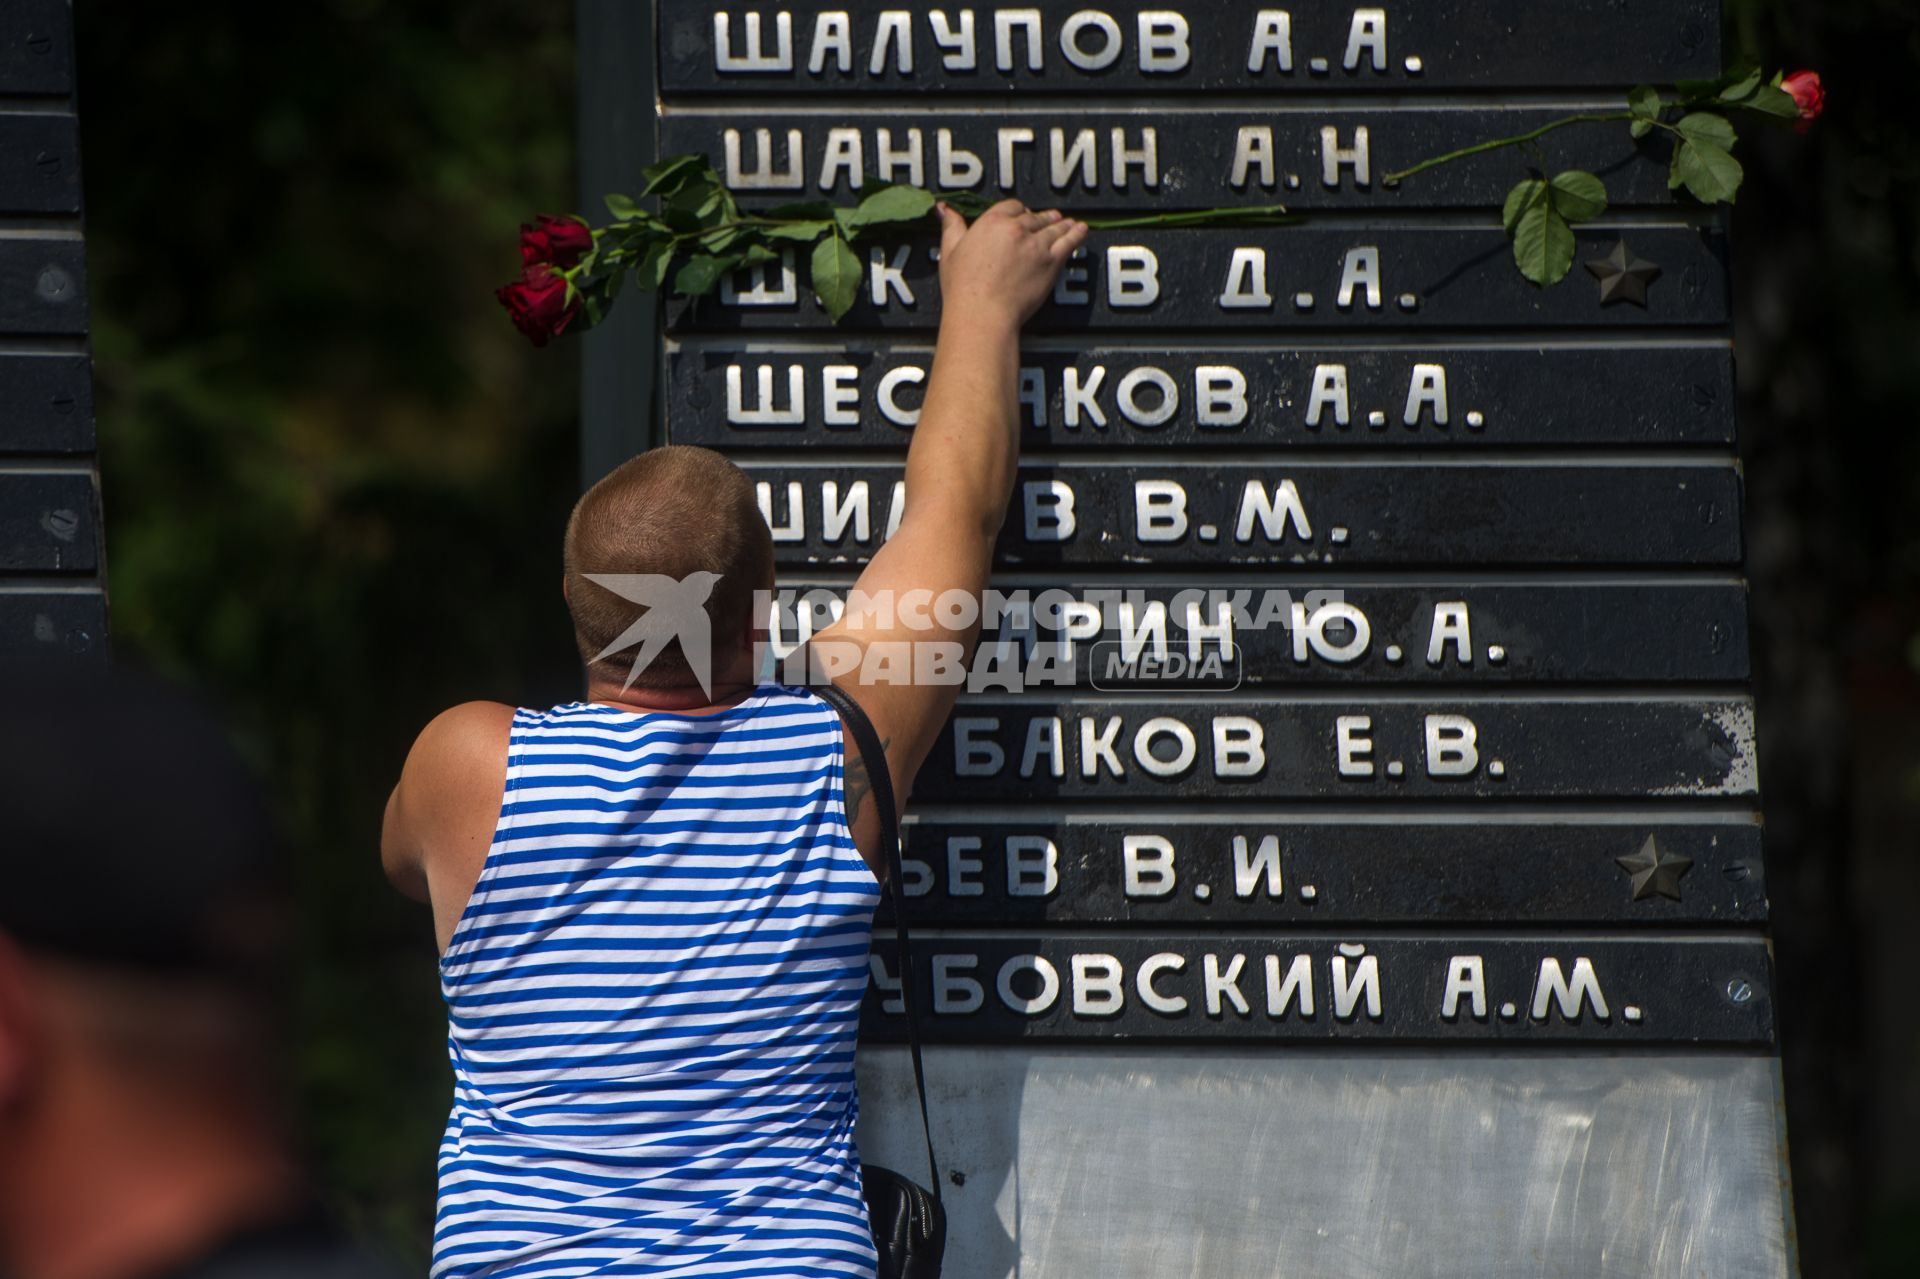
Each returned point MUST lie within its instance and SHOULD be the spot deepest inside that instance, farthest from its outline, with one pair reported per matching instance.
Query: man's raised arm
(960, 471)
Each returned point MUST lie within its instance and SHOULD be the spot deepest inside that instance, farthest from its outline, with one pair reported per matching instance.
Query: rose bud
(1808, 94)
(539, 304)
(554, 241)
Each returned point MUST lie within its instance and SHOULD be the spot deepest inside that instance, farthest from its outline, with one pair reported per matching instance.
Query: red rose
(557, 242)
(539, 304)
(1808, 95)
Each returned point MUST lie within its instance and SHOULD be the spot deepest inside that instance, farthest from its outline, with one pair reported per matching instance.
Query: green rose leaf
(1579, 196)
(756, 254)
(1770, 100)
(968, 204)
(1709, 172)
(1645, 105)
(1703, 163)
(1520, 199)
(1740, 85)
(892, 205)
(703, 272)
(836, 276)
(1709, 129)
(721, 239)
(1543, 243)
(670, 174)
(650, 272)
(804, 232)
(623, 207)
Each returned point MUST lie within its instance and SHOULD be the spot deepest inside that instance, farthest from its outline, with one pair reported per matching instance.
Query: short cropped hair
(673, 511)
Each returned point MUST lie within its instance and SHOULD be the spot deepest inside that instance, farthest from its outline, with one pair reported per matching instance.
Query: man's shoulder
(468, 723)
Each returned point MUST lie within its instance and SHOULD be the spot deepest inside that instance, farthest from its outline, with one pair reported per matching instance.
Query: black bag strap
(874, 756)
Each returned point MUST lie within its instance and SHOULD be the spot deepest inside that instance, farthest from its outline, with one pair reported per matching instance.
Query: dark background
(335, 481)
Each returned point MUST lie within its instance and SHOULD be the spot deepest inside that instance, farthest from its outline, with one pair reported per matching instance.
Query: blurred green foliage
(334, 476)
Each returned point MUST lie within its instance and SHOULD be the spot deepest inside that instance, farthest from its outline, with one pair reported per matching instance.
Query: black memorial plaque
(39, 163)
(1145, 635)
(43, 285)
(1334, 158)
(1323, 46)
(1532, 990)
(864, 394)
(1278, 513)
(1375, 749)
(1467, 549)
(37, 620)
(46, 404)
(36, 47)
(47, 522)
(1245, 871)
(1418, 278)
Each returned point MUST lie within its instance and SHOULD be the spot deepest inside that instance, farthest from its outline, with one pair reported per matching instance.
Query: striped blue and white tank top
(653, 998)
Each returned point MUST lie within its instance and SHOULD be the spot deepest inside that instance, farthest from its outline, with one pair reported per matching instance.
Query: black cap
(130, 831)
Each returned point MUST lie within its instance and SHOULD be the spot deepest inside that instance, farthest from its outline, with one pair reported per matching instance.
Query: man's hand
(1004, 265)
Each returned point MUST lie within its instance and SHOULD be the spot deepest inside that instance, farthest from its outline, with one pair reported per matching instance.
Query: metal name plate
(36, 47)
(1156, 635)
(39, 163)
(37, 621)
(1320, 158)
(1255, 870)
(1325, 985)
(1307, 47)
(1276, 513)
(1312, 277)
(864, 394)
(1369, 749)
(47, 522)
(46, 404)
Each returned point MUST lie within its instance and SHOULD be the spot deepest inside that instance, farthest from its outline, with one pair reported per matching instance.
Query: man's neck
(122, 1187)
(729, 688)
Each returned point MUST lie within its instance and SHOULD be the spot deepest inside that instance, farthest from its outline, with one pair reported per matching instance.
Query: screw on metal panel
(1738, 871)
(63, 405)
(54, 284)
(957, 1177)
(41, 45)
(62, 524)
(1740, 990)
(48, 163)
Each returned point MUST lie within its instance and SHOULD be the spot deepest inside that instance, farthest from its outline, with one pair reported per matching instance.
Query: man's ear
(19, 1029)
(566, 590)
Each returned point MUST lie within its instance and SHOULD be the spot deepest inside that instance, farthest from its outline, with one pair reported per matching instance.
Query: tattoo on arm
(861, 786)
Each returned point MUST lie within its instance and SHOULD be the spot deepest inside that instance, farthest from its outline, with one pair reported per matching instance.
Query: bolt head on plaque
(1624, 276)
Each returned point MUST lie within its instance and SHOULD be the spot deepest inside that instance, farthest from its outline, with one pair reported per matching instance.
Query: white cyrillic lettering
(963, 872)
(1127, 396)
(889, 389)
(896, 28)
(1164, 726)
(1552, 988)
(1351, 738)
(960, 51)
(835, 515)
(1428, 392)
(1077, 398)
(889, 277)
(1033, 866)
(1223, 988)
(1466, 977)
(1048, 507)
(959, 168)
(1097, 748)
(1362, 267)
(954, 993)
(754, 57)
(1329, 391)
(1148, 864)
(1152, 967)
(1079, 55)
(1133, 276)
(1333, 156)
(1450, 624)
(1147, 158)
(1239, 746)
(1250, 867)
(1347, 991)
(1452, 749)
(1004, 21)
(763, 176)
(1044, 740)
(832, 33)
(1220, 395)
(1296, 989)
(976, 757)
(1247, 282)
(1159, 510)
(840, 395)
(1165, 41)
(767, 413)
(1049, 984)
(1367, 35)
(1272, 37)
(1276, 512)
(795, 529)
(1099, 988)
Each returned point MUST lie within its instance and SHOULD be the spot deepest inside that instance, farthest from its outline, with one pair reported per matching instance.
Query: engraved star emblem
(1654, 870)
(1623, 275)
